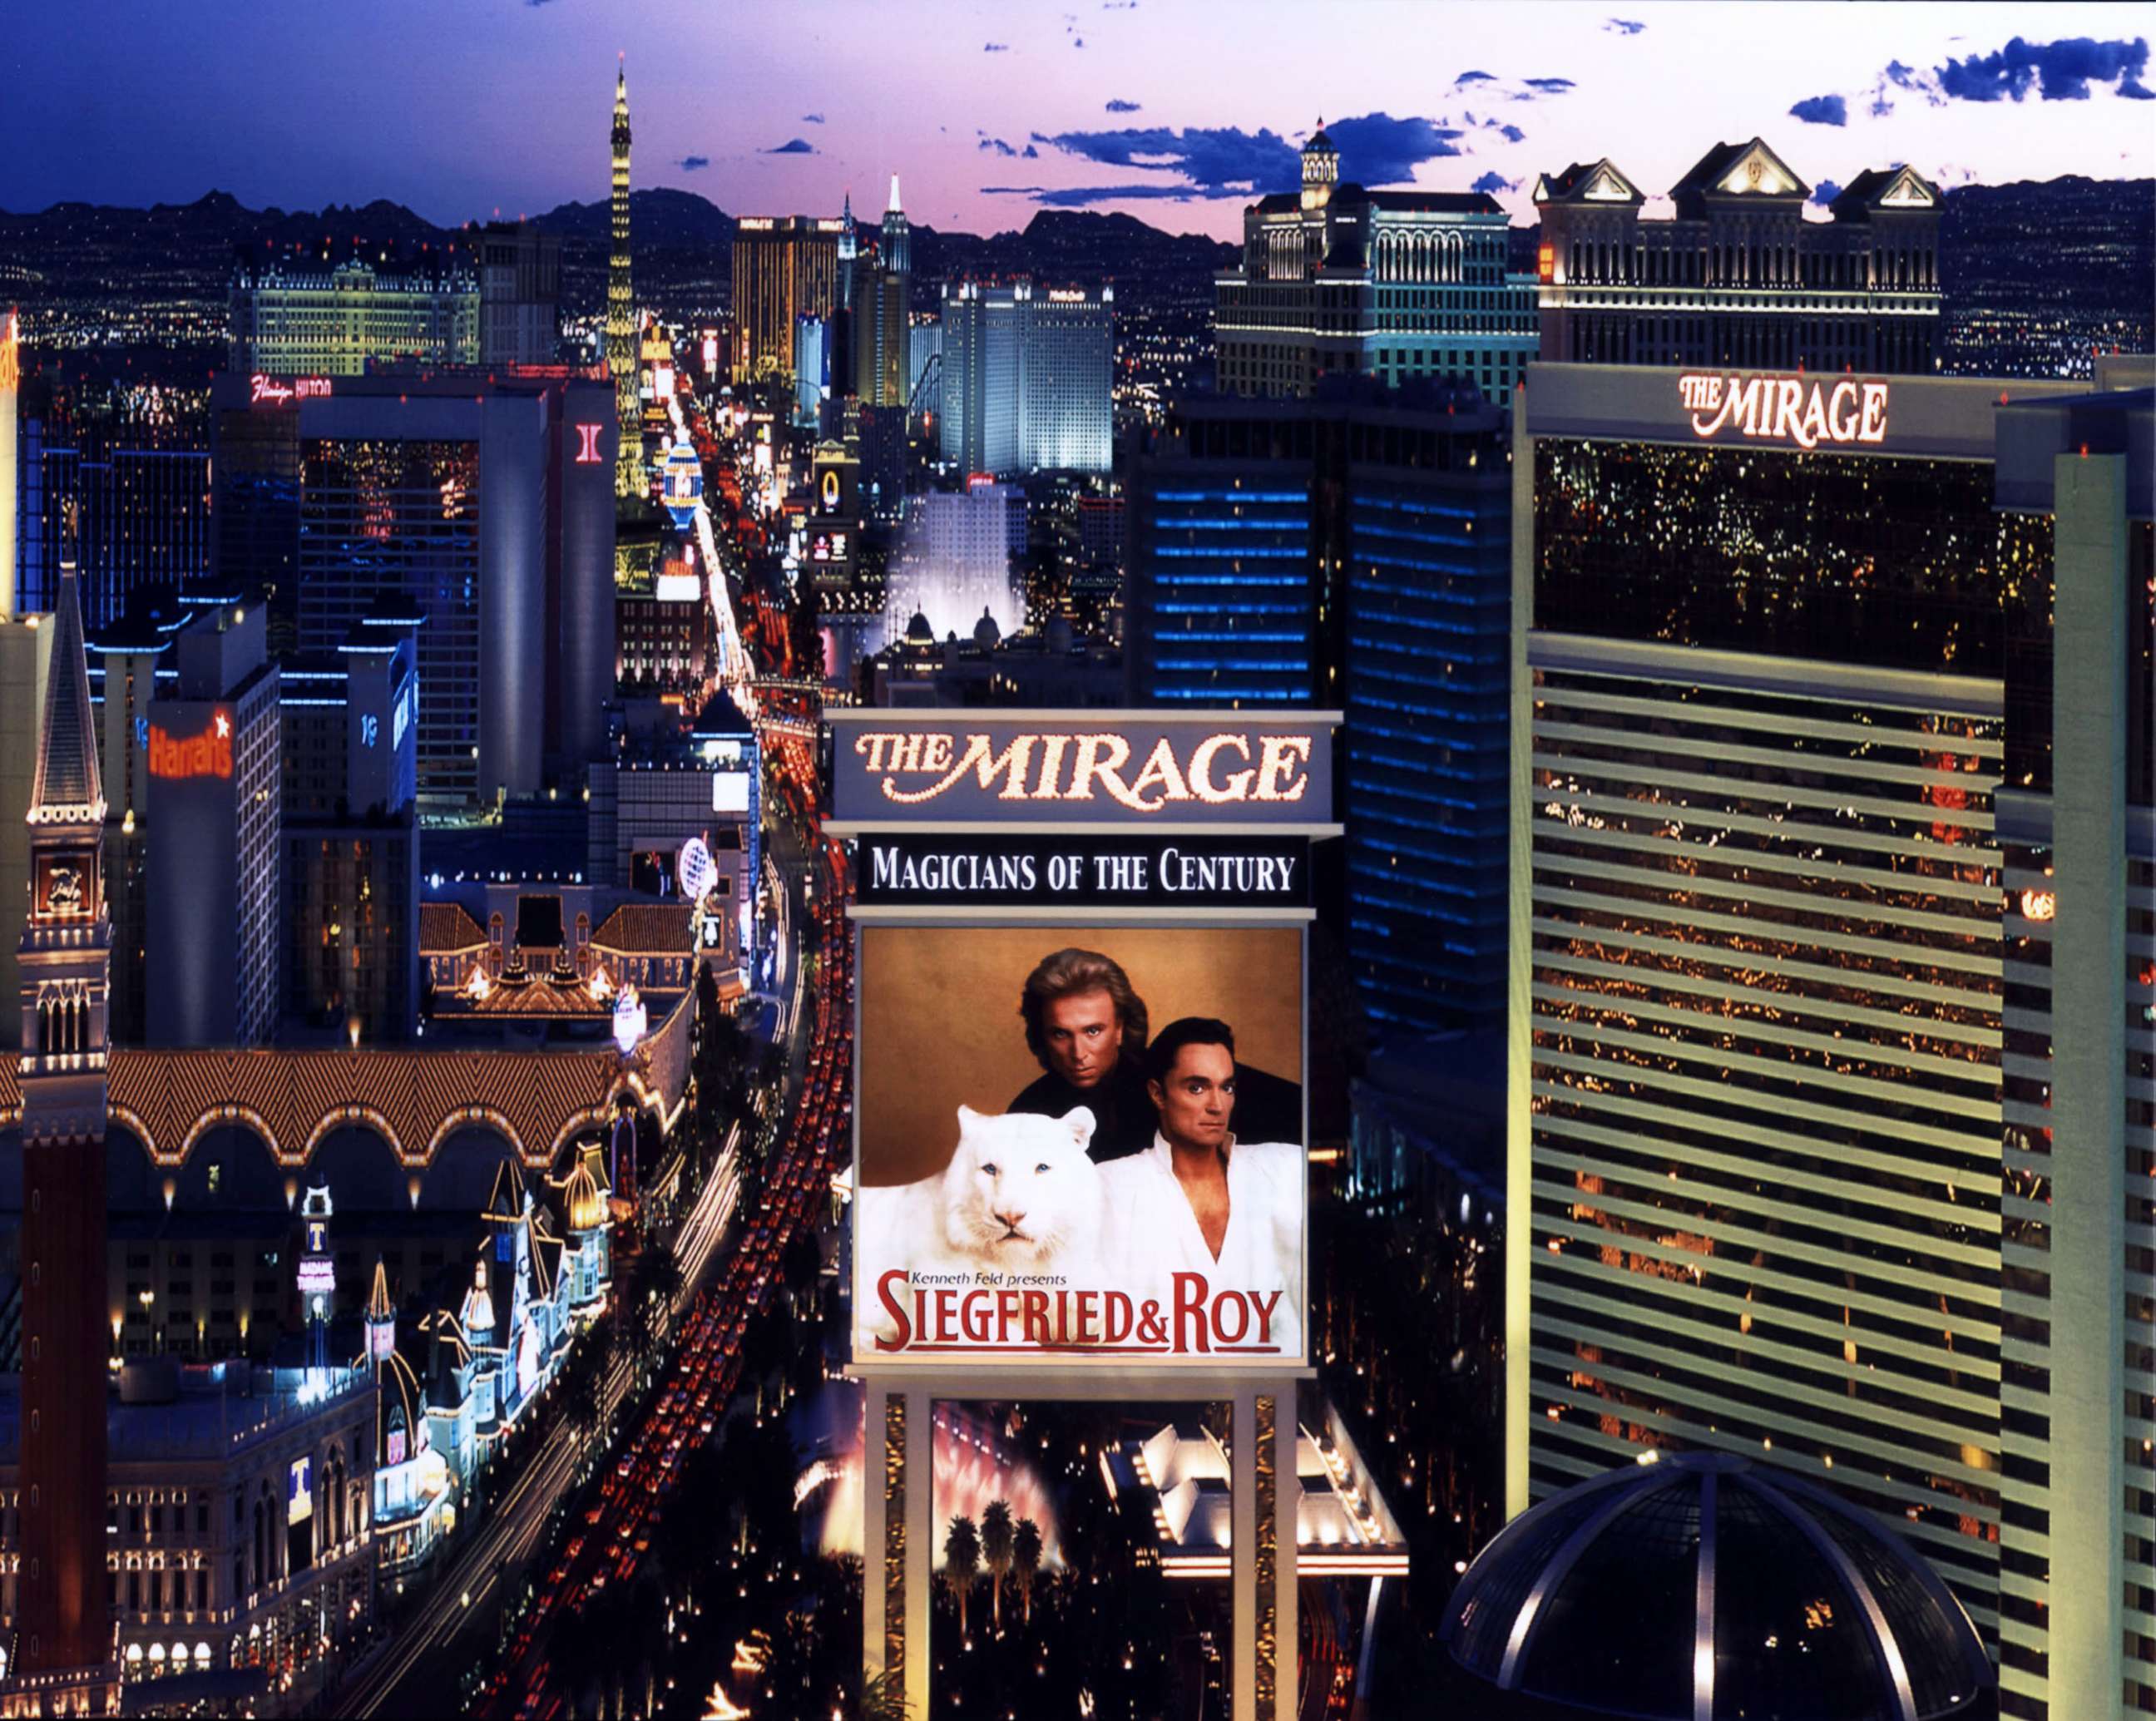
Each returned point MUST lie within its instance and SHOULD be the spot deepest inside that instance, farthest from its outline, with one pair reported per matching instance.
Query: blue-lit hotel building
(1351, 551)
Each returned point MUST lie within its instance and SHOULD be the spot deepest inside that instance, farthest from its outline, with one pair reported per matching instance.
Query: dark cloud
(791, 147)
(1624, 26)
(1030, 153)
(1078, 42)
(1117, 104)
(1475, 78)
(812, 119)
(1218, 162)
(995, 48)
(1119, 5)
(537, 3)
(689, 164)
(1512, 134)
(2058, 71)
(998, 144)
(1495, 182)
(1822, 111)
(1825, 192)
(1908, 77)
(1226, 160)
(1377, 149)
(1079, 197)
(1550, 86)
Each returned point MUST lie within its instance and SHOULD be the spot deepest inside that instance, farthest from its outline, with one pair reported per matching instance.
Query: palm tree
(580, 1386)
(1026, 1555)
(658, 1275)
(883, 1699)
(997, 1533)
(639, 1338)
(961, 1564)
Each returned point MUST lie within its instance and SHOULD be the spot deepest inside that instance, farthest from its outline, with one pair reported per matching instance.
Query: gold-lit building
(784, 267)
(331, 322)
(1737, 275)
(1830, 746)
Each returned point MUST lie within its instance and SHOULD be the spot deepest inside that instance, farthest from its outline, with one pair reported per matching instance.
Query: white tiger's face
(1019, 1188)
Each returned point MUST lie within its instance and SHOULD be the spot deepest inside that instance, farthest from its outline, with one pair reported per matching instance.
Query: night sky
(1173, 109)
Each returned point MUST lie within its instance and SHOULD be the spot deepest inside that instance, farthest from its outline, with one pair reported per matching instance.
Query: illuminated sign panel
(1805, 411)
(588, 445)
(1546, 263)
(830, 492)
(209, 754)
(678, 588)
(1038, 1084)
(887, 767)
(300, 1491)
(280, 391)
(1023, 1207)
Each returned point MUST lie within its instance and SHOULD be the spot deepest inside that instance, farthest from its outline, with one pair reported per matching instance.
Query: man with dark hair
(1202, 1199)
(1086, 1025)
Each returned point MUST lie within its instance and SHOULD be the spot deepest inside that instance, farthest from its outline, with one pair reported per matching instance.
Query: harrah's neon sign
(209, 754)
(1802, 410)
(1220, 770)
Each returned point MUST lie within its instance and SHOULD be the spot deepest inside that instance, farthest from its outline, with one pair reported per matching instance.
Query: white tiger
(1019, 1195)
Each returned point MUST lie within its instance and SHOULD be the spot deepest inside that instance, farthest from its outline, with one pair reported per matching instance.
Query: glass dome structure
(1701, 1587)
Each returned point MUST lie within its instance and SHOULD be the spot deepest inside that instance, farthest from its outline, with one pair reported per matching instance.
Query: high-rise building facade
(519, 292)
(784, 267)
(1027, 375)
(1831, 707)
(1738, 277)
(11, 374)
(289, 323)
(214, 916)
(348, 733)
(1401, 285)
(621, 330)
(129, 506)
(1351, 552)
(879, 306)
(483, 508)
(63, 1630)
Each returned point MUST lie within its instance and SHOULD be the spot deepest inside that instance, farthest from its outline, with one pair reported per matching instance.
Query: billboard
(1079, 1134)
(1080, 1144)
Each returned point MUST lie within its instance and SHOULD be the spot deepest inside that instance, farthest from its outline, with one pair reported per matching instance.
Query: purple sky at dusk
(461, 107)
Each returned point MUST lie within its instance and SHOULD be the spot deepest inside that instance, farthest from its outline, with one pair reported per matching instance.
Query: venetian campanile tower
(65, 1629)
(629, 479)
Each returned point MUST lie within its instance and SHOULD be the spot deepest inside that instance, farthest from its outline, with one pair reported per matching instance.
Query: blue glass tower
(1354, 551)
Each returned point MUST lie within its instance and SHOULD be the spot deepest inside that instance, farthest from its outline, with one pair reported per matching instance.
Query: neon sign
(370, 729)
(11, 367)
(274, 391)
(1071, 766)
(1785, 408)
(400, 720)
(588, 445)
(830, 492)
(209, 754)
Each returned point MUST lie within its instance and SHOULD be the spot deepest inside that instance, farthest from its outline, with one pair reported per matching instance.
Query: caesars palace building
(1831, 748)
(1337, 278)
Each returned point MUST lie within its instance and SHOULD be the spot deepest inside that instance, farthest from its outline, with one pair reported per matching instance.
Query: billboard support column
(919, 1480)
(1279, 1645)
(1243, 1550)
(881, 1538)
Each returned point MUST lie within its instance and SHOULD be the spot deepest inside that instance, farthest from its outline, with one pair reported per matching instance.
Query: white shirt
(1152, 1231)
